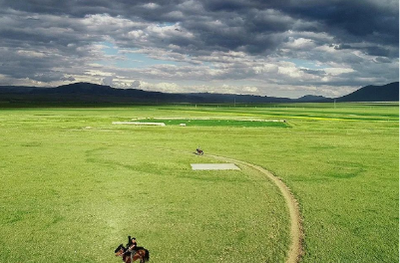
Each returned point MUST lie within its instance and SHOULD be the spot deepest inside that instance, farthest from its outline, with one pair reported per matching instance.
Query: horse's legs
(141, 257)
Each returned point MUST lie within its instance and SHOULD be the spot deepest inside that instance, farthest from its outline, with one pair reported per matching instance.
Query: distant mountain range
(87, 93)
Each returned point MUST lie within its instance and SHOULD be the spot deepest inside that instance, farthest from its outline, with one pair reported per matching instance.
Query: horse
(199, 151)
(132, 252)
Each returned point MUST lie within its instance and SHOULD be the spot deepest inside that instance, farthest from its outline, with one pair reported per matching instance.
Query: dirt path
(296, 230)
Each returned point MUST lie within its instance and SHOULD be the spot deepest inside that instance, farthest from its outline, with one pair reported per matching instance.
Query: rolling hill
(88, 93)
(388, 92)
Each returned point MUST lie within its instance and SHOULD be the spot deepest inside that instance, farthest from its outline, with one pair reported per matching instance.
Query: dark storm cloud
(370, 50)
(238, 5)
(354, 19)
(150, 10)
(255, 30)
(48, 40)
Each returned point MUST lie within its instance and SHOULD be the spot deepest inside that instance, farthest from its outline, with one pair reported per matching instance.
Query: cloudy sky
(285, 48)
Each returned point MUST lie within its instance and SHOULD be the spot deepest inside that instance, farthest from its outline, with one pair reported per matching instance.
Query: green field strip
(217, 122)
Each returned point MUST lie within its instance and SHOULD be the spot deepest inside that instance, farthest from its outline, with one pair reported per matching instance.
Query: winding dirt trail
(296, 230)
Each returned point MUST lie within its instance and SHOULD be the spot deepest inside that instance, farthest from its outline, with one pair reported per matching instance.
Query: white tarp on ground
(214, 166)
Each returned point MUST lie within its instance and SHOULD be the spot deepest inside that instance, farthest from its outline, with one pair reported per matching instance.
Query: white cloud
(108, 81)
(31, 53)
(338, 71)
(151, 6)
(300, 43)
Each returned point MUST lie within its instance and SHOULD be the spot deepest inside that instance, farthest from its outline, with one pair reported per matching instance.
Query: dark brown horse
(199, 151)
(132, 252)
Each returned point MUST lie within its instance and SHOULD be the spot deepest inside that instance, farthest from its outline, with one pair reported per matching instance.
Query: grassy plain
(73, 186)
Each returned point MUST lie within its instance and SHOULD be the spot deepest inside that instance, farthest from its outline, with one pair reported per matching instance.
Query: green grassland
(74, 186)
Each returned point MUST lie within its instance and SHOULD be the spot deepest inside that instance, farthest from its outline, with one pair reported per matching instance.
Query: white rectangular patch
(214, 166)
(140, 123)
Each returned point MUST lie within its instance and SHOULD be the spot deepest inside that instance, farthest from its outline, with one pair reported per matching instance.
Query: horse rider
(131, 246)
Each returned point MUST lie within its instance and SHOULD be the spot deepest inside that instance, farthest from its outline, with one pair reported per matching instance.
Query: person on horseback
(132, 252)
(131, 245)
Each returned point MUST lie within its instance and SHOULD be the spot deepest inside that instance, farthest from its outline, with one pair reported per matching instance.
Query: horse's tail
(146, 255)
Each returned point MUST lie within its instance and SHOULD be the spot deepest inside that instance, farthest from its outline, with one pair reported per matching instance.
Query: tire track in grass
(296, 229)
